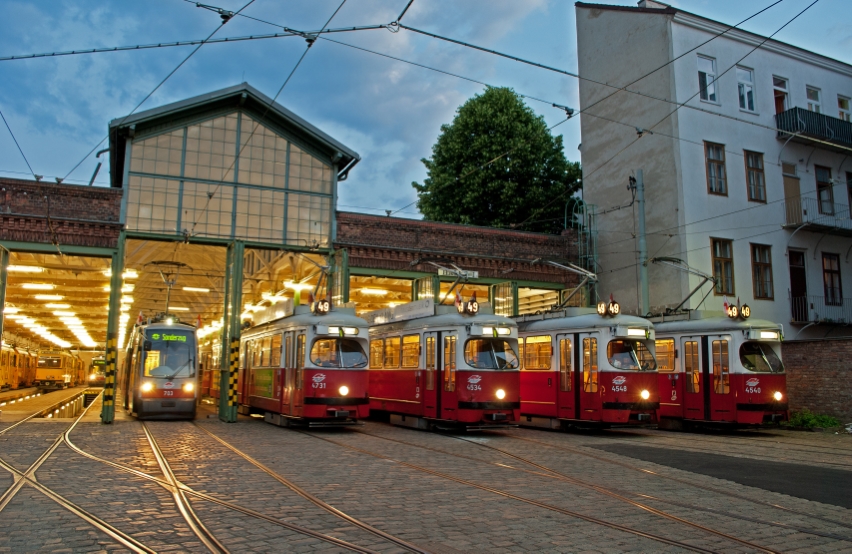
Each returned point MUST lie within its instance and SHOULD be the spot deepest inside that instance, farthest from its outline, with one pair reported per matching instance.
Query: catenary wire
(398, 19)
(166, 78)
(18, 145)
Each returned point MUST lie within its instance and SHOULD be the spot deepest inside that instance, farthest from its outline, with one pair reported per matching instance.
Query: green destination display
(164, 337)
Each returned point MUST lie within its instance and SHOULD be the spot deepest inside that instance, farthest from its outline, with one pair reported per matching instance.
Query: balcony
(818, 309)
(816, 215)
(803, 126)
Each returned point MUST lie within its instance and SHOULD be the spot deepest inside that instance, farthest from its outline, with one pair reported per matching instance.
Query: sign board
(453, 273)
(403, 312)
(273, 312)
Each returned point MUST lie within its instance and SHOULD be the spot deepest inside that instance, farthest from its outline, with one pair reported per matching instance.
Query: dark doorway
(798, 286)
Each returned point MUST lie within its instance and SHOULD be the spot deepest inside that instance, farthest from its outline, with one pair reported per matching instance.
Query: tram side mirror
(147, 346)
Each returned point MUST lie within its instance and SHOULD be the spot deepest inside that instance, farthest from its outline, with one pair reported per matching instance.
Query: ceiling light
(178, 309)
(128, 273)
(38, 286)
(195, 289)
(124, 308)
(297, 286)
(25, 268)
(68, 314)
(127, 300)
(10, 310)
(57, 306)
(48, 297)
(373, 292)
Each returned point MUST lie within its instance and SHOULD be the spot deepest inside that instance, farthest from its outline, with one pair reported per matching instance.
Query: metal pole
(111, 355)
(4, 272)
(643, 247)
(232, 327)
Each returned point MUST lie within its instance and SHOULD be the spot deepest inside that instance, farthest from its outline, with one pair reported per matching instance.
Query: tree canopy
(498, 165)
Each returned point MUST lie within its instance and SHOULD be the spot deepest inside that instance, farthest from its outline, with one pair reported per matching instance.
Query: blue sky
(390, 112)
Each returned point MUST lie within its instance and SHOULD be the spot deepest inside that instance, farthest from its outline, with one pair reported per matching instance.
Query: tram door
(722, 401)
(565, 386)
(590, 393)
(287, 377)
(539, 380)
(430, 390)
(695, 384)
(449, 397)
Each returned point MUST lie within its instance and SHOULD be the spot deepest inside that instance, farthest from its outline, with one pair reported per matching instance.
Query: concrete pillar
(111, 355)
(231, 328)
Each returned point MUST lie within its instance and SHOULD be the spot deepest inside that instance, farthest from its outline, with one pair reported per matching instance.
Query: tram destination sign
(403, 312)
(469, 274)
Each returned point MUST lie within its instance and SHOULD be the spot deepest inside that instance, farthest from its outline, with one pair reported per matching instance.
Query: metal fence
(811, 211)
(802, 122)
(805, 309)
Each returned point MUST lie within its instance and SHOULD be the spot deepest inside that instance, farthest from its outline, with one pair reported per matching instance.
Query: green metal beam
(116, 281)
(4, 264)
(38, 248)
(231, 329)
(225, 242)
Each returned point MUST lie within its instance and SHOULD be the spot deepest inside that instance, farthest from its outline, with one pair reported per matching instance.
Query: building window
(843, 108)
(831, 279)
(754, 176)
(761, 271)
(707, 78)
(813, 99)
(723, 265)
(715, 156)
(825, 194)
(745, 88)
(849, 189)
(781, 95)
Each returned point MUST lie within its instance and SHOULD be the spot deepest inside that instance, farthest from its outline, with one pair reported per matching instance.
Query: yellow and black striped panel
(235, 366)
(109, 382)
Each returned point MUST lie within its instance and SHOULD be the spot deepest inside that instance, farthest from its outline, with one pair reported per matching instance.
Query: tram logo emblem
(318, 378)
(620, 380)
(169, 385)
(474, 379)
(753, 382)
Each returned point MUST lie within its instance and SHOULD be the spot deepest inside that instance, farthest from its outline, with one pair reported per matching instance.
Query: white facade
(687, 207)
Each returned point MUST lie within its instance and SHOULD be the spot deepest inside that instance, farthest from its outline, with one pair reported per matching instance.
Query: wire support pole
(643, 245)
(231, 329)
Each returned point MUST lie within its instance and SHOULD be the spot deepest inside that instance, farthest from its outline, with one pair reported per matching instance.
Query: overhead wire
(166, 78)
(18, 145)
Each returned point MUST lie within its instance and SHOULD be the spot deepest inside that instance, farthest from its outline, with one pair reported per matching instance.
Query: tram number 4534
(474, 387)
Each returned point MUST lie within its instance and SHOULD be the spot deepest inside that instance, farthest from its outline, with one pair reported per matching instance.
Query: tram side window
(256, 353)
(430, 363)
(690, 366)
(411, 351)
(665, 355)
(276, 351)
(721, 377)
(565, 362)
(391, 352)
(300, 360)
(450, 364)
(590, 365)
(288, 349)
(537, 352)
(377, 350)
(266, 351)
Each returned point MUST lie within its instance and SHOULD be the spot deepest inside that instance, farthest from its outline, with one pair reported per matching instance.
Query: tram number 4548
(752, 390)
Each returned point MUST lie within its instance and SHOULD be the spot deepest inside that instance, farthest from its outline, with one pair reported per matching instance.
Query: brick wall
(819, 376)
(71, 214)
(379, 242)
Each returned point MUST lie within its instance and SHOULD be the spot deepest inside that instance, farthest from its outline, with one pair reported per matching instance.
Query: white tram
(158, 380)
(305, 365)
(444, 366)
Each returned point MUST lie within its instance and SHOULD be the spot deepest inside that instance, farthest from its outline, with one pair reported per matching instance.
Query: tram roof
(583, 321)
(715, 324)
(453, 319)
(342, 317)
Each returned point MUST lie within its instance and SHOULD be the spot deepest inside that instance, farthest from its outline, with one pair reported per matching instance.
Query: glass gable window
(707, 78)
(230, 177)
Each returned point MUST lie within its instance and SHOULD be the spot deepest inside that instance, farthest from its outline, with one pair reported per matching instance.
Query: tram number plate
(474, 387)
(168, 393)
(318, 385)
(752, 390)
(619, 388)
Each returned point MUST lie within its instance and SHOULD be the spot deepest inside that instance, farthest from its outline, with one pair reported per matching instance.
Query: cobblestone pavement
(398, 480)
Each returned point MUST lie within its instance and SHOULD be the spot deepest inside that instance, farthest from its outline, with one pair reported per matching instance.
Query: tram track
(708, 488)
(27, 477)
(533, 502)
(617, 493)
(35, 414)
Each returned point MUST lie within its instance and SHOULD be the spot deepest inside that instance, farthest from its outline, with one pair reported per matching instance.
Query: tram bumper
(163, 408)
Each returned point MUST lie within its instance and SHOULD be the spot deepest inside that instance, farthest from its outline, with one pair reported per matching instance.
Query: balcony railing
(804, 126)
(819, 309)
(818, 215)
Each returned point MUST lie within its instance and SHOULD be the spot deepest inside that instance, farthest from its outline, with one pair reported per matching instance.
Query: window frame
(813, 103)
(537, 345)
(716, 163)
(389, 349)
(721, 365)
(785, 92)
(761, 268)
(824, 186)
(414, 357)
(741, 84)
(844, 114)
(591, 367)
(831, 299)
(670, 355)
(566, 364)
(716, 290)
(702, 92)
(757, 171)
(450, 357)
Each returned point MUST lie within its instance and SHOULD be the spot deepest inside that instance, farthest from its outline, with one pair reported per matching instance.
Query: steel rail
(740, 440)
(230, 505)
(33, 415)
(182, 503)
(313, 499)
(511, 496)
(27, 477)
(686, 482)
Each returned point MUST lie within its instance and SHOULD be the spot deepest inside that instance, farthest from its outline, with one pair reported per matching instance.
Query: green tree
(498, 165)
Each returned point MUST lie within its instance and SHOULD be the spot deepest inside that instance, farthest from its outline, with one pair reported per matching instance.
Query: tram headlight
(92, 377)
(188, 387)
(147, 387)
(778, 396)
(501, 394)
(645, 395)
(344, 390)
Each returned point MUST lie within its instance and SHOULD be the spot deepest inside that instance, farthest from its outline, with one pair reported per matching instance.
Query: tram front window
(340, 353)
(760, 358)
(632, 355)
(50, 363)
(171, 354)
(490, 354)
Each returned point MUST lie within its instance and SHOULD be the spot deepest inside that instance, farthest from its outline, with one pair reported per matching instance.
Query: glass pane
(705, 65)
(778, 82)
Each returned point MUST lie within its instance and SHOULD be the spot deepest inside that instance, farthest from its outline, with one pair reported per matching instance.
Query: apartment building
(746, 149)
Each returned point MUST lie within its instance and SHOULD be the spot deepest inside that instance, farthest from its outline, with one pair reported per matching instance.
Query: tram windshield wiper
(178, 370)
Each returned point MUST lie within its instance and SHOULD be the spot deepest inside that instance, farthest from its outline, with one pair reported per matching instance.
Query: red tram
(720, 370)
(444, 366)
(587, 366)
(305, 365)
